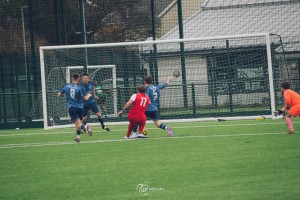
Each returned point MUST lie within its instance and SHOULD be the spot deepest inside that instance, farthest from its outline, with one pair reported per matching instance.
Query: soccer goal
(228, 77)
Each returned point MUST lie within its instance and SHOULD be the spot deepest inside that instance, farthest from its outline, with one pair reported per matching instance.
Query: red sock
(289, 123)
(130, 128)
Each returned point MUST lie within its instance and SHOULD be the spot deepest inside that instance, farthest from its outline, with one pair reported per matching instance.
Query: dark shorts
(75, 113)
(152, 115)
(93, 106)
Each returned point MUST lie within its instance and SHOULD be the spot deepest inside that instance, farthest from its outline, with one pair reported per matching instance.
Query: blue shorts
(93, 106)
(75, 113)
(152, 115)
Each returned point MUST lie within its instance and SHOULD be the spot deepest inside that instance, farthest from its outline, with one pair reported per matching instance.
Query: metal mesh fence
(25, 25)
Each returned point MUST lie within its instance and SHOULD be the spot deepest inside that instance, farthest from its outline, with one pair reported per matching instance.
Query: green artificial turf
(246, 159)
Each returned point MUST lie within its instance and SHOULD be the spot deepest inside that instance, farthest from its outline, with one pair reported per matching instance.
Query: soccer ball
(145, 131)
(176, 74)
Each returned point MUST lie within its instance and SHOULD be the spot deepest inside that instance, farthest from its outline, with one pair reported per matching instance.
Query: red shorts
(137, 120)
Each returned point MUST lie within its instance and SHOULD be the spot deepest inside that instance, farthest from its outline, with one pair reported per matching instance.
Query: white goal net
(218, 77)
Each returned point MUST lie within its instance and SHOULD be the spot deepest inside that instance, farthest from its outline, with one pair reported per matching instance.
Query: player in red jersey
(291, 107)
(136, 115)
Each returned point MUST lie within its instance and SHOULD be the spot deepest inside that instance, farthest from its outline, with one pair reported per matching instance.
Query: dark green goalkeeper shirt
(99, 92)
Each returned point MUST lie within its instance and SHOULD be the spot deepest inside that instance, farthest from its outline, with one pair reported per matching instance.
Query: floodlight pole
(24, 41)
(83, 33)
(33, 53)
(27, 74)
(154, 60)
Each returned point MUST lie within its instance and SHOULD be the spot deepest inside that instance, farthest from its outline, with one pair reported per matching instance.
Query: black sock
(78, 132)
(135, 128)
(162, 126)
(101, 122)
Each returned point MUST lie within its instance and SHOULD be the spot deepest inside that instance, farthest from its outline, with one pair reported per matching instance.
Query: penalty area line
(24, 145)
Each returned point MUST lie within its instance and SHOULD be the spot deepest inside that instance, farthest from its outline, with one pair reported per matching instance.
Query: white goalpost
(226, 77)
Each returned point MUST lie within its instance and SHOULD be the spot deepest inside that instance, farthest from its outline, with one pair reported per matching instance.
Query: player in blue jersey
(91, 103)
(153, 92)
(75, 96)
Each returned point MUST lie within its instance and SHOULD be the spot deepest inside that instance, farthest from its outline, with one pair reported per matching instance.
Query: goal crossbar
(155, 41)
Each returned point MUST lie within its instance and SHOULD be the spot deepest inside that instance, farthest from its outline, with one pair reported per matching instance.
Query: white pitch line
(177, 127)
(7, 146)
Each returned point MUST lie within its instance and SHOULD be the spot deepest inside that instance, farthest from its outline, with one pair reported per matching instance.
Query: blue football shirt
(89, 89)
(153, 92)
(74, 95)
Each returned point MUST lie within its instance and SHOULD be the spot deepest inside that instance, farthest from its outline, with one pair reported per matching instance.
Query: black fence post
(3, 90)
(17, 88)
(194, 98)
(229, 77)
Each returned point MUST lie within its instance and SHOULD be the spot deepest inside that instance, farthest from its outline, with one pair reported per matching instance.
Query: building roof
(162, 5)
(226, 3)
(236, 17)
(165, 10)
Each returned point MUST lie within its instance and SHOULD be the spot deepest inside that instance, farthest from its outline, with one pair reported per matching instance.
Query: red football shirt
(140, 103)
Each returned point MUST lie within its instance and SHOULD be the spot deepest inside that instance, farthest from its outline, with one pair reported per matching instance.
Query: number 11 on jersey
(143, 101)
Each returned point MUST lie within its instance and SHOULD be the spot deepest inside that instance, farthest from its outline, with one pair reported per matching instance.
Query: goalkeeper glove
(278, 112)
